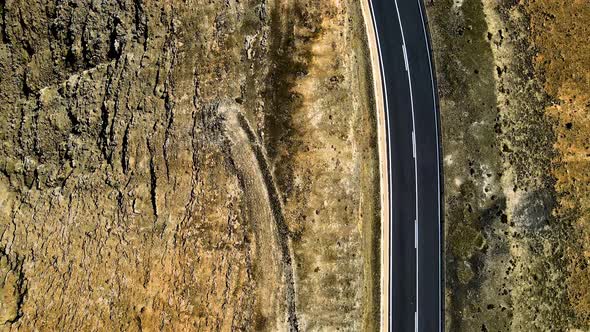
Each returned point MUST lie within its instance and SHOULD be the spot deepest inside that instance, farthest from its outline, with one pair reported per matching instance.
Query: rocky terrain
(514, 86)
(187, 165)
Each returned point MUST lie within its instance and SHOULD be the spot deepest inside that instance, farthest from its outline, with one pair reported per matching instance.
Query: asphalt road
(412, 117)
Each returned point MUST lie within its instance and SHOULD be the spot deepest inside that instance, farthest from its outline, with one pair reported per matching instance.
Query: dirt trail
(266, 207)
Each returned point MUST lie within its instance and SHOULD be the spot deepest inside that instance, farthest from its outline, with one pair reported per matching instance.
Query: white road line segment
(414, 144)
(415, 159)
(406, 63)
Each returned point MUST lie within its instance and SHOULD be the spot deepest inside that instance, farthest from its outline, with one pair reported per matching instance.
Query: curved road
(412, 131)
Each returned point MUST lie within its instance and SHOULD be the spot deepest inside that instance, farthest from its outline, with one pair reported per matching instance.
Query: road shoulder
(379, 106)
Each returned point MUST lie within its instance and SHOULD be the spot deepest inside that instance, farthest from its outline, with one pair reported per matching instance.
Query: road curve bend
(415, 278)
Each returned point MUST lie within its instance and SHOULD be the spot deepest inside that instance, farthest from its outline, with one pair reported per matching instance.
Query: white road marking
(415, 158)
(414, 144)
(406, 63)
(415, 234)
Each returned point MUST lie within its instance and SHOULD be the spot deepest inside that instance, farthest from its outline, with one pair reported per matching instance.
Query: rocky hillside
(187, 165)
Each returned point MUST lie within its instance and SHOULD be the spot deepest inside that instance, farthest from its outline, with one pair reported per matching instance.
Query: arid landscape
(514, 88)
(217, 165)
(187, 165)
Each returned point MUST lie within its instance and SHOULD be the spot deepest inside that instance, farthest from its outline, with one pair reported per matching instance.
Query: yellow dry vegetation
(560, 34)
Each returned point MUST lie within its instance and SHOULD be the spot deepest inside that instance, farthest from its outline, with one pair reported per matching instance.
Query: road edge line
(379, 104)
